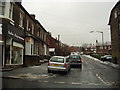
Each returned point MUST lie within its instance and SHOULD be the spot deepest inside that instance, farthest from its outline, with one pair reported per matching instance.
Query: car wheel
(80, 66)
(69, 68)
(66, 72)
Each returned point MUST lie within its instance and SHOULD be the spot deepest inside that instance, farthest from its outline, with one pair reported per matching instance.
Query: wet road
(92, 75)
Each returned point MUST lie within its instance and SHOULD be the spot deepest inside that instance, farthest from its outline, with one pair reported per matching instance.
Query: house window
(21, 19)
(43, 36)
(38, 33)
(32, 29)
(119, 12)
(27, 26)
(2, 8)
(32, 49)
(11, 10)
(101, 47)
(115, 14)
(105, 47)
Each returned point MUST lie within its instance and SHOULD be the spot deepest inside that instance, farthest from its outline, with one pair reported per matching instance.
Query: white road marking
(39, 81)
(46, 81)
(92, 84)
(101, 79)
(76, 83)
(59, 82)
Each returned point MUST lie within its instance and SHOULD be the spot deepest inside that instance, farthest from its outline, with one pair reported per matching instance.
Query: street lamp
(102, 36)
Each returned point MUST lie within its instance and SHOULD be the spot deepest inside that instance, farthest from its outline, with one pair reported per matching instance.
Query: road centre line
(60, 82)
(76, 83)
(46, 81)
(92, 84)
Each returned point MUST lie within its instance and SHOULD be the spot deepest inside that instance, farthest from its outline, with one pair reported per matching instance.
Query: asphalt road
(92, 75)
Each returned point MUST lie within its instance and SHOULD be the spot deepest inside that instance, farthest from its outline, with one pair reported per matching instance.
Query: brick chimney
(32, 15)
(18, 1)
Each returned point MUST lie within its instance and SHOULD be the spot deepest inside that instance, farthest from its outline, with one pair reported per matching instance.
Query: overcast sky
(73, 19)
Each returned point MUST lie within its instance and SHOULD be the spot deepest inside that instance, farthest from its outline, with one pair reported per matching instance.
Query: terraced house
(114, 23)
(23, 40)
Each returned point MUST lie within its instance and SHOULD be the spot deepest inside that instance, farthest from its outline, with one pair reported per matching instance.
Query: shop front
(14, 45)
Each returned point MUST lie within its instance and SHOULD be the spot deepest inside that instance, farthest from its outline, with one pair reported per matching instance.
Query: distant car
(106, 57)
(58, 63)
(75, 60)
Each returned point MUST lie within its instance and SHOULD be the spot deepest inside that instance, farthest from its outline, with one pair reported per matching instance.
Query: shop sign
(15, 35)
(51, 49)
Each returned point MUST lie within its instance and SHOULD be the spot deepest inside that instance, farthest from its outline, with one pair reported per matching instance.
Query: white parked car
(106, 57)
(58, 63)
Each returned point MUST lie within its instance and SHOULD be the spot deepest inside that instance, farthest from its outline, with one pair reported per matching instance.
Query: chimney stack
(18, 1)
(32, 15)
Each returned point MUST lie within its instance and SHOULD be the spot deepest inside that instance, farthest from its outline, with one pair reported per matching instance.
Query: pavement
(105, 62)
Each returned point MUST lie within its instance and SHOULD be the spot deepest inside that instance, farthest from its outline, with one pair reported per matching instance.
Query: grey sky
(73, 20)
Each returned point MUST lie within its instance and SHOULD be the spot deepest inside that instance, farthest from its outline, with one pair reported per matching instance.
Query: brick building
(114, 22)
(23, 39)
(103, 48)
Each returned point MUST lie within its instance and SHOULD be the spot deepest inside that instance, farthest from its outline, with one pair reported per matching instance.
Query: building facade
(22, 37)
(103, 48)
(114, 23)
(12, 35)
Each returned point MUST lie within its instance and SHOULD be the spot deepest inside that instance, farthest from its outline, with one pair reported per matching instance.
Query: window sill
(21, 26)
(9, 19)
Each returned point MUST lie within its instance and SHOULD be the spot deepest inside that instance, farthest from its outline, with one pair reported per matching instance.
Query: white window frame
(115, 14)
(11, 10)
(2, 6)
(21, 19)
(38, 33)
(101, 47)
(27, 26)
(32, 28)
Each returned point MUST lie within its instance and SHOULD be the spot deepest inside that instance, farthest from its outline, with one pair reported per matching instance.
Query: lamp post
(102, 37)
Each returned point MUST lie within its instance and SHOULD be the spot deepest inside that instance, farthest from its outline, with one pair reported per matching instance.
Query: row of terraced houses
(23, 40)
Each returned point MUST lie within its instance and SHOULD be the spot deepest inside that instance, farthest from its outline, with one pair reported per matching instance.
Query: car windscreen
(74, 57)
(56, 59)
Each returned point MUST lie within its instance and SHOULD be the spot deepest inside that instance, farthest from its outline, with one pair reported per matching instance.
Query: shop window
(8, 51)
(2, 8)
(17, 55)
